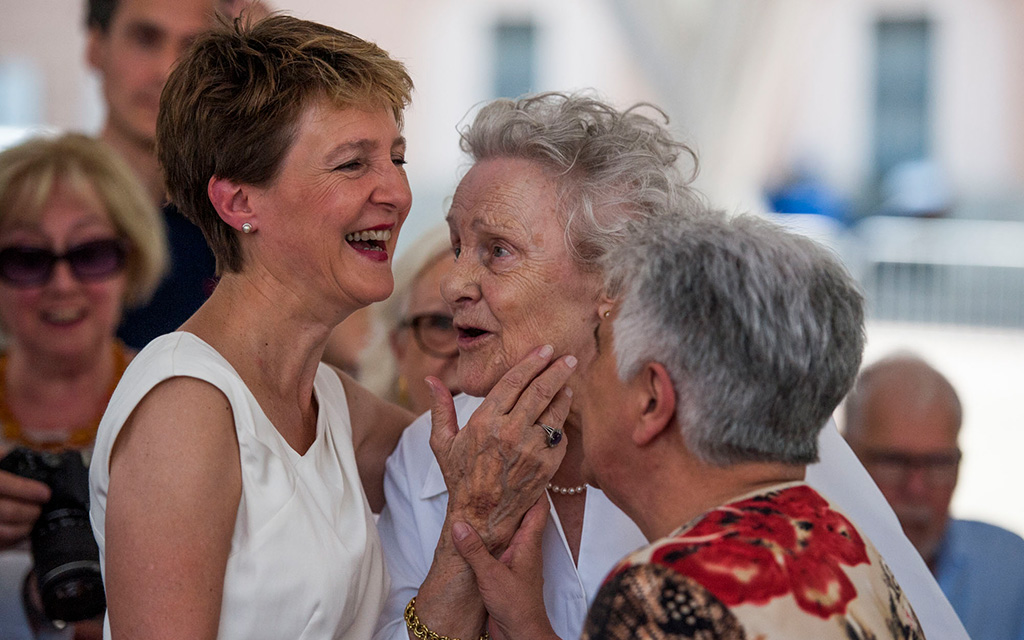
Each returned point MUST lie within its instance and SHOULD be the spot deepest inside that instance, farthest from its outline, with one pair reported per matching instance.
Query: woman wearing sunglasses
(79, 240)
(413, 336)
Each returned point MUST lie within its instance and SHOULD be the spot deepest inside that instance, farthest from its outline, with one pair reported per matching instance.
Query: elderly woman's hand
(499, 464)
(512, 585)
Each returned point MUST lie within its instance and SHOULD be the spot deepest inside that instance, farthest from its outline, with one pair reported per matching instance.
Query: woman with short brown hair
(226, 496)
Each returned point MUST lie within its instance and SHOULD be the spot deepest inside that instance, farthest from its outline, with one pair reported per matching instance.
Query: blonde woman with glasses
(413, 336)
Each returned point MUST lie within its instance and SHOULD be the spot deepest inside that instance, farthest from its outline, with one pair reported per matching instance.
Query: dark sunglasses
(434, 334)
(22, 266)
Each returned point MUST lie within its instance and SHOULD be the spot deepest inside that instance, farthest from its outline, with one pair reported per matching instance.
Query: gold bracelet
(420, 630)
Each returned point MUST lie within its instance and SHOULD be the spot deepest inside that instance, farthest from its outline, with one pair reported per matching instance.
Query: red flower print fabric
(782, 563)
(770, 545)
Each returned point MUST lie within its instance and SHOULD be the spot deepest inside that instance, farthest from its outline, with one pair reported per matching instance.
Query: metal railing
(943, 271)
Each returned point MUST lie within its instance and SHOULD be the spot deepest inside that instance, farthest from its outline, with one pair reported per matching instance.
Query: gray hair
(611, 166)
(378, 368)
(761, 330)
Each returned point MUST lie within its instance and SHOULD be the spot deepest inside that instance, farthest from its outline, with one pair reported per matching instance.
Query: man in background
(132, 45)
(903, 420)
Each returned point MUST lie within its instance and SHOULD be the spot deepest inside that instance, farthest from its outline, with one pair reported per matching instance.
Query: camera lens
(66, 558)
(75, 594)
(67, 566)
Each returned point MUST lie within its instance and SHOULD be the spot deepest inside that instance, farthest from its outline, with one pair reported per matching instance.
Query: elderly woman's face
(514, 286)
(77, 306)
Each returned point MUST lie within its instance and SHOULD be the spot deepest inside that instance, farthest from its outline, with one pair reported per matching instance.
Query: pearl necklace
(567, 491)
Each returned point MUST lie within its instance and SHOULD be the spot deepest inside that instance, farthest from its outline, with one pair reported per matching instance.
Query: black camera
(64, 551)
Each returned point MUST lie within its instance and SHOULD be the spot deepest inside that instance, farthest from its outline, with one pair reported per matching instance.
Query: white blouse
(305, 558)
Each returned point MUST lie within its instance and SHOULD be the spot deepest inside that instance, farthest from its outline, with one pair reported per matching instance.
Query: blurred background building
(892, 130)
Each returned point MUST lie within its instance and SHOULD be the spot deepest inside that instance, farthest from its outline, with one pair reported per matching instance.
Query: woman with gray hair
(411, 332)
(556, 181)
(728, 345)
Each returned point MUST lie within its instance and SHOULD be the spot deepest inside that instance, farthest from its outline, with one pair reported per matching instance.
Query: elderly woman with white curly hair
(555, 183)
(725, 346)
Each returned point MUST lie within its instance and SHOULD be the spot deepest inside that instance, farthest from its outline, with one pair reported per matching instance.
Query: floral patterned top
(781, 563)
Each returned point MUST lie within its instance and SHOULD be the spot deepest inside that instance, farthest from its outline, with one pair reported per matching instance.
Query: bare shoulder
(177, 451)
(178, 444)
(179, 416)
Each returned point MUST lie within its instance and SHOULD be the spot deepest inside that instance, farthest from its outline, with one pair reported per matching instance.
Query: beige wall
(795, 85)
(803, 90)
(445, 43)
(48, 35)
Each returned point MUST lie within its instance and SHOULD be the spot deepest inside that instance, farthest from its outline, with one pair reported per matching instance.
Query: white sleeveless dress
(305, 558)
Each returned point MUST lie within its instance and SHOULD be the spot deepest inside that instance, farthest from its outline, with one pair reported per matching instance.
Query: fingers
(506, 392)
(547, 396)
(21, 501)
(527, 389)
(555, 413)
(15, 487)
(474, 551)
(12, 535)
(444, 424)
(528, 538)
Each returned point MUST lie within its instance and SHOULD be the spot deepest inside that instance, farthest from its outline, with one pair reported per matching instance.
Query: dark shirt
(186, 286)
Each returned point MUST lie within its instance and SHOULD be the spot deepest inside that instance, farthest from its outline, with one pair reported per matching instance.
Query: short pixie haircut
(232, 105)
(33, 170)
(611, 166)
(760, 329)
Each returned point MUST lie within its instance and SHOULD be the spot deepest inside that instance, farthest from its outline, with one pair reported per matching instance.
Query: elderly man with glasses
(903, 419)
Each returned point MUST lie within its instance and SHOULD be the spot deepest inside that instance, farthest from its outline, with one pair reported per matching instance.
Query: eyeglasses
(23, 267)
(434, 334)
(892, 468)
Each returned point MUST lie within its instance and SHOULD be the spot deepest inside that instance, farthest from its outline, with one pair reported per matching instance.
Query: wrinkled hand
(21, 501)
(512, 586)
(499, 464)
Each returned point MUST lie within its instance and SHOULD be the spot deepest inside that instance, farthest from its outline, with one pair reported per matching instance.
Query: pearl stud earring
(247, 227)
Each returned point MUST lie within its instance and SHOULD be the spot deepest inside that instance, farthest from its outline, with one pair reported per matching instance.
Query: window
(514, 58)
(902, 93)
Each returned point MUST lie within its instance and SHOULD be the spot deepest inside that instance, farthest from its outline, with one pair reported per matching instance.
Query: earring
(607, 314)
(247, 227)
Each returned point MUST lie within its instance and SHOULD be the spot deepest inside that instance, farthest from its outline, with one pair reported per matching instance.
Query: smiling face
(514, 286)
(62, 318)
(329, 221)
(135, 54)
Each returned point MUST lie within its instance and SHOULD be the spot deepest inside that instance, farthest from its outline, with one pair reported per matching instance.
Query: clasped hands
(496, 469)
